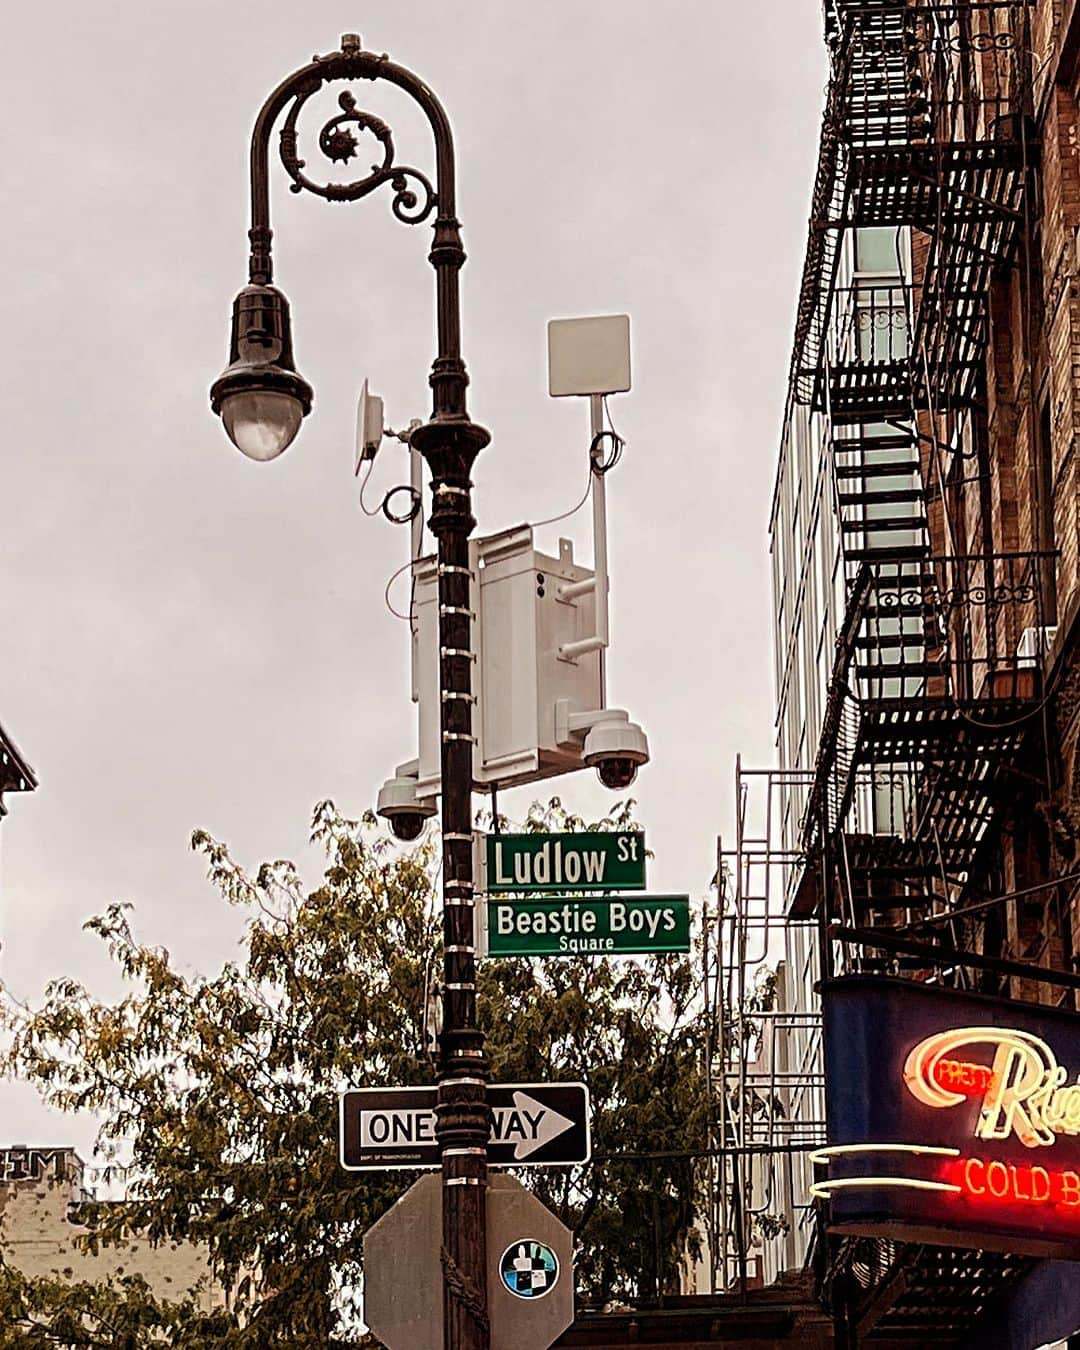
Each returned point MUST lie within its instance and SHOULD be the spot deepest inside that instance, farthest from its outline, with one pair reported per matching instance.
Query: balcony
(930, 99)
(925, 126)
(869, 372)
(952, 631)
(937, 680)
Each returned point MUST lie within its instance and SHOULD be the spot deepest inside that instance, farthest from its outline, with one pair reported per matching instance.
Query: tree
(217, 1096)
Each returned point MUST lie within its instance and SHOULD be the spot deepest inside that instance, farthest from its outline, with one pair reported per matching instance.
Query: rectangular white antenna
(369, 426)
(589, 356)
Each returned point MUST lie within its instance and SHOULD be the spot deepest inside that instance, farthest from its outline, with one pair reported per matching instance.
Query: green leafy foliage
(217, 1095)
(39, 1313)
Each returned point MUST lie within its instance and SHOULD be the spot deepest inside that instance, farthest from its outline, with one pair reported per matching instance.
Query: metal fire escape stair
(930, 697)
(880, 496)
(926, 126)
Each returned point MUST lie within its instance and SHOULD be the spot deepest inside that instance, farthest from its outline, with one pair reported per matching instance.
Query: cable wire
(394, 517)
(374, 511)
(601, 466)
(554, 520)
(597, 466)
(409, 618)
(618, 442)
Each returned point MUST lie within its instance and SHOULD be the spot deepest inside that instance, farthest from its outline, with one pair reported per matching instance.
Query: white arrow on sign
(531, 1122)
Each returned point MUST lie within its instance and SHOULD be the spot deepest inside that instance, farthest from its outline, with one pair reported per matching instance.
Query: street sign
(530, 1269)
(639, 924)
(566, 862)
(530, 1275)
(533, 1125)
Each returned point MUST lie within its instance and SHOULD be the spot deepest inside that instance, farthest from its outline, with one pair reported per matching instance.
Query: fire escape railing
(926, 125)
(926, 128)
(937, 679)
(936, 664)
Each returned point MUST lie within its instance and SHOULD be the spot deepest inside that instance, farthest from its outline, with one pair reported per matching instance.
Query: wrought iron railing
(928, 648)
(869, 374)
(925, 125)
(963, 627)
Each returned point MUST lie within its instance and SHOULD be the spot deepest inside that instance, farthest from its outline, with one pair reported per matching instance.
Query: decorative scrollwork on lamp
(339, 144)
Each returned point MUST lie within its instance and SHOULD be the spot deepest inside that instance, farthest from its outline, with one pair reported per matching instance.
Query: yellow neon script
(1024, 1090)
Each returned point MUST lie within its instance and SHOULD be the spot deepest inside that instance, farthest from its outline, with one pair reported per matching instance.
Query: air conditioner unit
(1033, 645)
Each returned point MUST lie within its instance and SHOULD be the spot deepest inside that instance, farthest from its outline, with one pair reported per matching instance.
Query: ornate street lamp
(262, 400)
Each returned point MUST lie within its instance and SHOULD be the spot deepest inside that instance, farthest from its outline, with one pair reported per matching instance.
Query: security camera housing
(398, 804)
(617, 773)
(615, 747)
(407, 826)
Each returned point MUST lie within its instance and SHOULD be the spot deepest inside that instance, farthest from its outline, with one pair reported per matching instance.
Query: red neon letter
(1017, 1193)
(969, 1166)
(1040, 1194)
(1003, 1177)
(959, 1076)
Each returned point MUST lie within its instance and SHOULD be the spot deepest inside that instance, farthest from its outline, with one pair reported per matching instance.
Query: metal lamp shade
(260, 396)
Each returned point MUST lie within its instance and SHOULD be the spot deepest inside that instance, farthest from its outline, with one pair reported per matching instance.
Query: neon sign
(1014, 1183)
(973, 1080)
(822, 1190)
(1024, 1091)
(951, 1118)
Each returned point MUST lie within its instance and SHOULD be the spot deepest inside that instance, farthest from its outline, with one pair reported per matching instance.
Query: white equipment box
(519, 676)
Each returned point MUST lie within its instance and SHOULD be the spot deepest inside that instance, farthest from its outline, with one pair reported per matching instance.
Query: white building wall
(809, 597)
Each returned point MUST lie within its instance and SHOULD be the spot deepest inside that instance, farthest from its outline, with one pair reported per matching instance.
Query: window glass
(876, 249)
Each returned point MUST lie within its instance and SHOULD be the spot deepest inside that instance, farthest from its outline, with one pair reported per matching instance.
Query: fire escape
(936, 664)
(936, 682)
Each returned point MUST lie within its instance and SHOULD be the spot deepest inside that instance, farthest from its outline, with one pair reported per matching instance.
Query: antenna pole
(599, 519)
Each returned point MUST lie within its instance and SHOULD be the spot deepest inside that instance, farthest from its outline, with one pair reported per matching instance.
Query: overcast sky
(190, 639)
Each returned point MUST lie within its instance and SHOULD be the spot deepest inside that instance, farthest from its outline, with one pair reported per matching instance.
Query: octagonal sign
(530, 1270)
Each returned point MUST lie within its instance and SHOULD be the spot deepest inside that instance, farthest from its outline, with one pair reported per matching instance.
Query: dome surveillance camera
(617, 773)
(402, 809)
(407, 825)
(615, 747)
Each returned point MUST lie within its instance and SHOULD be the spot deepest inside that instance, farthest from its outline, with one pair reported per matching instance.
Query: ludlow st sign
(566, 862)
(530, 913)
(532, 1125)
(951, 1117)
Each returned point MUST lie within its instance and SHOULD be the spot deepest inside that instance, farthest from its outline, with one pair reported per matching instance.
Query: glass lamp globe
(261, 423)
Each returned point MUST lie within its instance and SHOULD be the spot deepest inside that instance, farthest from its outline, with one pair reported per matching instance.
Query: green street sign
(566, 862)
(633, 925)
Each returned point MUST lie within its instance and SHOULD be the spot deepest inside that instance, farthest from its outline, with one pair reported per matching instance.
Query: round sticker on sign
(529, 1269)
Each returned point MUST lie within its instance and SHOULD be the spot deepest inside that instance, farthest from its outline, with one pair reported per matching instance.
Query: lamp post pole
(262, 400)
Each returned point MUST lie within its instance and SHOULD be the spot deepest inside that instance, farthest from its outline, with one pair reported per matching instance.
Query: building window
(877, 249)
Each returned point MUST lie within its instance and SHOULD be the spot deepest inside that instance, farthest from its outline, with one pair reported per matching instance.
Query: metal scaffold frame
(767, 1064)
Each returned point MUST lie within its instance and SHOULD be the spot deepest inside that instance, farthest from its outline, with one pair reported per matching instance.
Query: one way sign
(533, 1125)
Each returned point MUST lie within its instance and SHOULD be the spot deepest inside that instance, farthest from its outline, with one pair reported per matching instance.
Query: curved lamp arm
(261, 352)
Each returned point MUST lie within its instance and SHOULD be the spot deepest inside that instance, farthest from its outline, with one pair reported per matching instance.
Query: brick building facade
(926, 568)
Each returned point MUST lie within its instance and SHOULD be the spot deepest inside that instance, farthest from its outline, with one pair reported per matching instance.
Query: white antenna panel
(589, 356)
(369, 426)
